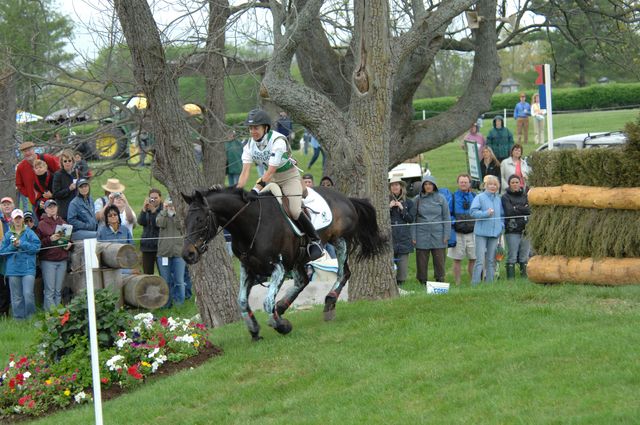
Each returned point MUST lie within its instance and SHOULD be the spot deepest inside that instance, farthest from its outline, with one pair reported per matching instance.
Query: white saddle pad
(319, 210)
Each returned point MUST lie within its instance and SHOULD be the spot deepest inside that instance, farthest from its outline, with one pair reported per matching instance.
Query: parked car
(411, 173)
(588, 141)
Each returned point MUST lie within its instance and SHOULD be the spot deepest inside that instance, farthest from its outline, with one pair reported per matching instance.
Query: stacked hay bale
(585, 220)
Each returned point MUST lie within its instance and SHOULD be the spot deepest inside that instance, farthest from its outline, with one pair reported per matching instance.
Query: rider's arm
(244, 175)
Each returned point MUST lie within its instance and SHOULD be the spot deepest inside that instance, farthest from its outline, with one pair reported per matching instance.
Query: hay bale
(579, 270)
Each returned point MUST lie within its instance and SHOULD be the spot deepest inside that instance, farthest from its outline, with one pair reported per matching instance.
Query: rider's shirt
(272, 149)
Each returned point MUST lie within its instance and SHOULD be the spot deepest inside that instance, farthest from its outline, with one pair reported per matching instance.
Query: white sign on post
(90, 263)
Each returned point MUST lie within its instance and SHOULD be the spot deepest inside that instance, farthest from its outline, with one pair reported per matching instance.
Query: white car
(409, 172)
(588, 141)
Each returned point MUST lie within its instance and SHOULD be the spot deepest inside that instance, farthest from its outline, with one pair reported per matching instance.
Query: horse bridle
(201, 245)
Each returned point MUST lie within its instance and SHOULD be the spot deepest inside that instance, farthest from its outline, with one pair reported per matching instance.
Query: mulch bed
(114, 391)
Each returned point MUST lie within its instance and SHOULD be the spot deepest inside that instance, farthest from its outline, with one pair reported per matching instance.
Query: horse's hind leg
(343, 276)
(300, 281)
(243, 303)
(280, 324)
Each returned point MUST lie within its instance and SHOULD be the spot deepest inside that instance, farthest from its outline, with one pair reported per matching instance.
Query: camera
(117, 194)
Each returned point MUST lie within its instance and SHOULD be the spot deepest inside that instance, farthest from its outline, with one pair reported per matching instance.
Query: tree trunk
(571, 195)
(175, 163)
(605, 271)
(7, 132)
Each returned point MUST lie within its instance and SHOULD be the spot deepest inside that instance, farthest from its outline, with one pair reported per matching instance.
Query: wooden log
(579, 270)
(571, 195)
(146, 291)
(117, 255)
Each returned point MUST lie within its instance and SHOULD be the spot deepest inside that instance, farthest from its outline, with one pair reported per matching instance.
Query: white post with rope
(91, 262)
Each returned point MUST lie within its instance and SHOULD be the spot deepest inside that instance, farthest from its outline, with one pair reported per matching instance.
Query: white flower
(112, 363)
(157, 362)
(185, 338)
(80, 396)
(26, 374)
(154, 352)
(145, 318)
(12, 363)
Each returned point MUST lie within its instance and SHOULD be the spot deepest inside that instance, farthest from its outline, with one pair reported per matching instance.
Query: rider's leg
(314, 249)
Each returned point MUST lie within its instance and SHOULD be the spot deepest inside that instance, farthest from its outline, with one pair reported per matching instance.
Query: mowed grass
(507, 353)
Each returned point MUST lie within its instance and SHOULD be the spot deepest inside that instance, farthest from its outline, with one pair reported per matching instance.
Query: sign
(473, 160)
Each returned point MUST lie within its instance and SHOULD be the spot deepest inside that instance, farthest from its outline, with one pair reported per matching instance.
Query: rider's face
(257, 131)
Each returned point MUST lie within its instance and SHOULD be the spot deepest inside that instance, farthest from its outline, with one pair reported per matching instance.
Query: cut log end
(146, 291)
(584, 271)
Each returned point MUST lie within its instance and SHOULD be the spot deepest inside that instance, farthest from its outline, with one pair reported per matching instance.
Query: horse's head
(201, 226)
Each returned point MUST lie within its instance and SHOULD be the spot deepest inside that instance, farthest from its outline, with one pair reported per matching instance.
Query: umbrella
(23, 117)
(67, 114)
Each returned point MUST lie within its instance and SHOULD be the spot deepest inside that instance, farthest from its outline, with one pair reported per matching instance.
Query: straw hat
(113, 185)
(26, 145)
(396, 179)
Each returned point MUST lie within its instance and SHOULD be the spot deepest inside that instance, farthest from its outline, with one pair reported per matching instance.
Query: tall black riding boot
(511, 271)
(523, 269)
(314, 248)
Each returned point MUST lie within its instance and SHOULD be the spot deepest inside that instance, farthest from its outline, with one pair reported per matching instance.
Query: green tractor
(126, 133)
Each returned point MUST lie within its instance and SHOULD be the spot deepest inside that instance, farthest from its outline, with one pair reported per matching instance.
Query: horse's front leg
(278, 323)
(300, 281)
(243, 302)
(343, 276)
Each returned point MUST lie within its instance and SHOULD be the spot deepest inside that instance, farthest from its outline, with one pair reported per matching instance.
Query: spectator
(500, 139)
(233, 150)
(317, 150)
(127, 216)
(306, 140)
(307, 180)
(53, 259)
(81, 167)
(474, 136)
(327, 182)
(170, 262)
(521, 114)
(6, 204)
(5, 297)
(150, 230)
(463, 226)
(489, 164)
(432, 230)
(487, 209)
(516, 213)
(112, 186)
(81, 215)
(400, 211)
(113, 230)
(43, 185)
(28, 220)
(26, 176)
(538, 118)
(284, 126)
(514, 165)
(64, 183)
(20, 245)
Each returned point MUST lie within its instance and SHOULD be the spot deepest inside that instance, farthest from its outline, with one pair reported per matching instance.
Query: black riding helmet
(258, 117)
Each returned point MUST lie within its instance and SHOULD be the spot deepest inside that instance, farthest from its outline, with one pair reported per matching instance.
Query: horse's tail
(368, 239)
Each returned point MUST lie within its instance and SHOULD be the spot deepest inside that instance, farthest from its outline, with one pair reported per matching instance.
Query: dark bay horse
(267, 246)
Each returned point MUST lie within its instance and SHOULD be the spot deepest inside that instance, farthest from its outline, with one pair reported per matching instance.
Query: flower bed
(58, 373)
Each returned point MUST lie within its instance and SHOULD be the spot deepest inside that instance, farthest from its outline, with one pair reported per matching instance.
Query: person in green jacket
(500, 139)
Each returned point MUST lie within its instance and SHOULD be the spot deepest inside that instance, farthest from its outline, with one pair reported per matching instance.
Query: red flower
(164, 322)
(31, 404)
(162, 342)
(133, 371)
(20, 378)
(12, 383)
(201, 326)
(104, 380)
(65, 318)
(22, 362)
(23, 400)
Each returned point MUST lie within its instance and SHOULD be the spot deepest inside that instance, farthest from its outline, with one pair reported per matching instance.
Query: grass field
(506, 353)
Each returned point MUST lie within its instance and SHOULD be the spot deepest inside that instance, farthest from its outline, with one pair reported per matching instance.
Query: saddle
(313, 204)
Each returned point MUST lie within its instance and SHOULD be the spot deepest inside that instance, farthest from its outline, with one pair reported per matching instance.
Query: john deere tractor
(126, 133)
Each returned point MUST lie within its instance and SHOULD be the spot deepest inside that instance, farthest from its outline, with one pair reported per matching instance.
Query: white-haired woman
(487, 209)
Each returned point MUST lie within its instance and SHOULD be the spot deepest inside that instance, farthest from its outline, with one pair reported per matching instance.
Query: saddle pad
(319, 211)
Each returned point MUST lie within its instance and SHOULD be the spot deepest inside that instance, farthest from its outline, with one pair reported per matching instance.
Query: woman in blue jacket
(81, 213)
(114, 231)
(487, 208)
(20, 246)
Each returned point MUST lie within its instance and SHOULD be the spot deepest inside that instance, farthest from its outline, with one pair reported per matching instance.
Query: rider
(271, 149)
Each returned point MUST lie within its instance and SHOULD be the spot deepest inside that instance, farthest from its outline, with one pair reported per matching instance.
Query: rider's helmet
(258, 117)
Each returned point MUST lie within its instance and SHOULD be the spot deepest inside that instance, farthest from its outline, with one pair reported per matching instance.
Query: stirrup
(314, 250)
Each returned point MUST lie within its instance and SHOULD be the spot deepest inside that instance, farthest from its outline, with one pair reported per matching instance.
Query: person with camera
(462, 223)
(170, 262)
(515, 203)
(116, 197)
(399, 210)
(20, 246)
(53, 259)
(150, 230)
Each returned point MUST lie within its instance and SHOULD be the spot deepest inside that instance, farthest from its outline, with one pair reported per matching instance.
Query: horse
(267, 246)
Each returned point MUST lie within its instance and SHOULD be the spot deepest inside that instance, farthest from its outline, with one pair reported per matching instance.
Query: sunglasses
(67, 160)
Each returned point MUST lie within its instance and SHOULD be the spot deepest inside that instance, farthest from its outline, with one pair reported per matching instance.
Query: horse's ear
(188, 199)
(201, 197)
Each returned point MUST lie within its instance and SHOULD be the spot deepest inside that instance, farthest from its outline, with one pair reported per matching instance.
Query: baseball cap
(6, 199)
(81, 182)
(28, 214)
(16, 213)
(50, 202)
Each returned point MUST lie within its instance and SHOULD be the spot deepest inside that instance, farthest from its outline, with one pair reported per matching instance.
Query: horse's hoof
(329, 315)
(283, 327)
